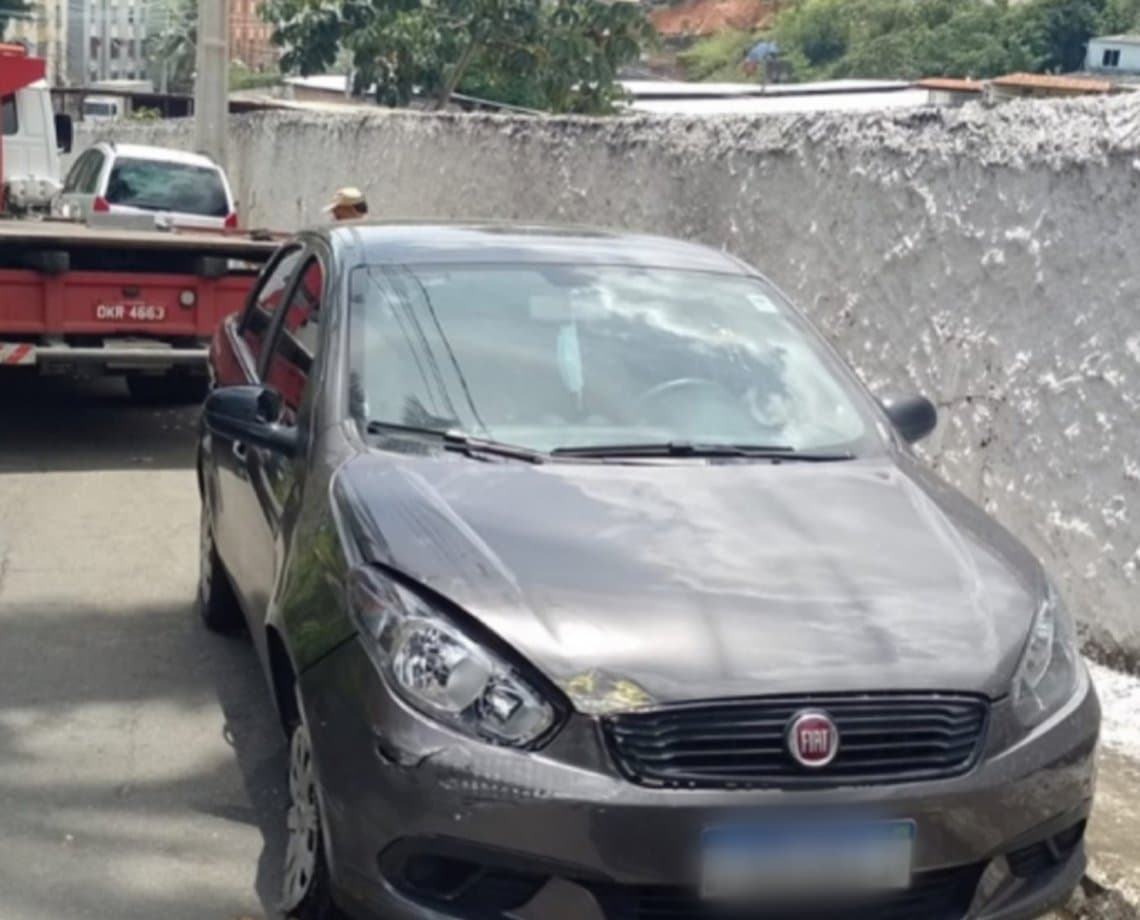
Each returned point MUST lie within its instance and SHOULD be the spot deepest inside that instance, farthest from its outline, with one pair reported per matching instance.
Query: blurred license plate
(805, 859)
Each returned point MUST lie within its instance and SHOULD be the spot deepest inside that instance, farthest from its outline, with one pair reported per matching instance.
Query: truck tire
(178, 389)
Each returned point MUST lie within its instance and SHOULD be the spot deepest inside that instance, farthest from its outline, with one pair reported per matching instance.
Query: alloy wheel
(302, 821)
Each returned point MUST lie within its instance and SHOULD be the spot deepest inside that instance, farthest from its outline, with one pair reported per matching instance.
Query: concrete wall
(988, 258)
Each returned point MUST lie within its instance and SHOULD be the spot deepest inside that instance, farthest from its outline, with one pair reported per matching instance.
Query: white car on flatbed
(176, 188)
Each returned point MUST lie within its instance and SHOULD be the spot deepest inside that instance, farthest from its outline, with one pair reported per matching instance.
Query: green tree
(906, 39)
(562, 55)
(1058, 31)
(172, 43)
(1119, 16)
(717, 57)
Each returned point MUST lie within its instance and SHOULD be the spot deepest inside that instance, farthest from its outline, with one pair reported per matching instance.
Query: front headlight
(440, 670)
(1047, 675)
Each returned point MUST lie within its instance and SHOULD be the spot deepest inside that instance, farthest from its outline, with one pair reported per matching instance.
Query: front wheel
(305, 893)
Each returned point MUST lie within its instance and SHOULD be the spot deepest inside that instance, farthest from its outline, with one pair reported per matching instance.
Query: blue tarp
(761, 51)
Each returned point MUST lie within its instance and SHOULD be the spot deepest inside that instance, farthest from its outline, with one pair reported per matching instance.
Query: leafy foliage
(906, 39)
(1119, 16)
(562, 55)
(717, 57)
(174, 45)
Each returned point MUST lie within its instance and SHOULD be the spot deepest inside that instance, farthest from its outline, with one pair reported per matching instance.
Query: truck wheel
(180, 389)
(217, 604)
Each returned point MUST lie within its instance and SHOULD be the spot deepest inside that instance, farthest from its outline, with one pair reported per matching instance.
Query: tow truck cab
(33, 136)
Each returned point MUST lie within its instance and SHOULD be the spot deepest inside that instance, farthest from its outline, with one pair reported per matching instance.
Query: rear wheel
(217, 603)
(179, 389)
(305, 893)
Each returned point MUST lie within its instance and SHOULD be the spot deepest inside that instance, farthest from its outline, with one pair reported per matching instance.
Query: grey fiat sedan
(590, 584)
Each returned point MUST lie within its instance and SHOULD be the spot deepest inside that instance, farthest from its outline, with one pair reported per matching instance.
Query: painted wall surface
(989, 258)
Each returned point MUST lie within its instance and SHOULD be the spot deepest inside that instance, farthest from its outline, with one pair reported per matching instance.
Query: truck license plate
(130, 312)
(795, 860)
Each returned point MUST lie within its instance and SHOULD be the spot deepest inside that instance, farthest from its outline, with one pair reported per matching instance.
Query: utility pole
(104, 40)
(211, 82)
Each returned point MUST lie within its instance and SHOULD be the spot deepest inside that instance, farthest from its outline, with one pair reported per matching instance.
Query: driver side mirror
(250, 415)
(64, 132)
(914, 417)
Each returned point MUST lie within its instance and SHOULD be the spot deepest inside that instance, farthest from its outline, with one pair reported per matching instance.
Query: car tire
(167, 389)
(305, 889)
(217, 603)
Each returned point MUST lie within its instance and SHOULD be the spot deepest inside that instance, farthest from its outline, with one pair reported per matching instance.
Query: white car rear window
(155, 185)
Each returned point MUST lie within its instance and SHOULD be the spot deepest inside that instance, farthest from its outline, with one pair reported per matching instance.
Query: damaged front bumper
(423, 823)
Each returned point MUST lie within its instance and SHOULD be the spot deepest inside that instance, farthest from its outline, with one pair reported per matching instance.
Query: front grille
(940, 895)
(883, 738)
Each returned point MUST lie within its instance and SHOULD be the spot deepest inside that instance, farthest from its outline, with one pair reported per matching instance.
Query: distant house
(1021, 85)
(330, 88)
(1114, 54)
(951, 91)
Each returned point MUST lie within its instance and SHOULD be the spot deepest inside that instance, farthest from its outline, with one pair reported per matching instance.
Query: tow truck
(114, 296)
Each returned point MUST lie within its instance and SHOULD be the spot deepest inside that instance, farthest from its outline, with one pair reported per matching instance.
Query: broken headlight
(1050, 665)
(440, 670)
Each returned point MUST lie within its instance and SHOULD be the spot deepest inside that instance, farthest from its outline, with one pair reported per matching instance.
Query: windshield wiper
(457, 441)
(696, 449)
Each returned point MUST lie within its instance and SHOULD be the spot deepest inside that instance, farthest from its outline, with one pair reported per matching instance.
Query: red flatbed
(143, 303)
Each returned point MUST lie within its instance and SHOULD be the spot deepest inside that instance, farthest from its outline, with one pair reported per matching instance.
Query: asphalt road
(141, 774)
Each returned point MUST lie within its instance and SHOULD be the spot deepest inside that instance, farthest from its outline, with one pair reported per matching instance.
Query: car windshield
(552, 357)
(98, 108)
(155, 185)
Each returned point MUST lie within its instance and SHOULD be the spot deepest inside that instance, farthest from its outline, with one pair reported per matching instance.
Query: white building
(1114, 54)
(105, 40)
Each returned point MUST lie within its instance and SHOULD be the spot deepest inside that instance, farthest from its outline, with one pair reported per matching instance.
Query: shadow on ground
(123, 793)
(57, 423)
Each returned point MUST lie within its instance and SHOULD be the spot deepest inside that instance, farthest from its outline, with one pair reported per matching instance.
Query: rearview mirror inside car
(250, 415)
(914, 417)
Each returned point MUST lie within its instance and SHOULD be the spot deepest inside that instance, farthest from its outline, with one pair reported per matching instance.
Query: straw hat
(345, 197)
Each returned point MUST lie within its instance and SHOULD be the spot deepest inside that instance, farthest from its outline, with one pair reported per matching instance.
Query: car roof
(162, 154)
(411, 243)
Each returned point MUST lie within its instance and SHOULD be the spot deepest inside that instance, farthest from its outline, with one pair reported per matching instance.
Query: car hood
(629, 584)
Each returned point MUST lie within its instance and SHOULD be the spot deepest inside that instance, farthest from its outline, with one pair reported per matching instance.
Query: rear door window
(155, 185)
(259, 315)
(84, 175)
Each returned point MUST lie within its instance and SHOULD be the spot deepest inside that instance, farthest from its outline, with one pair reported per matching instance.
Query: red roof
(951, 84)
(1053, 81)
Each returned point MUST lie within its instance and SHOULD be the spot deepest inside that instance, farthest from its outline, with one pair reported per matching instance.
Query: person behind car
(348, 204)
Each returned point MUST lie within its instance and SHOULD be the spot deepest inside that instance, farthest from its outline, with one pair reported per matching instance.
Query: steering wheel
(655, 392)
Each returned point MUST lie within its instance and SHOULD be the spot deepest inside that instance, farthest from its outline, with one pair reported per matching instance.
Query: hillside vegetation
(908, 39)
